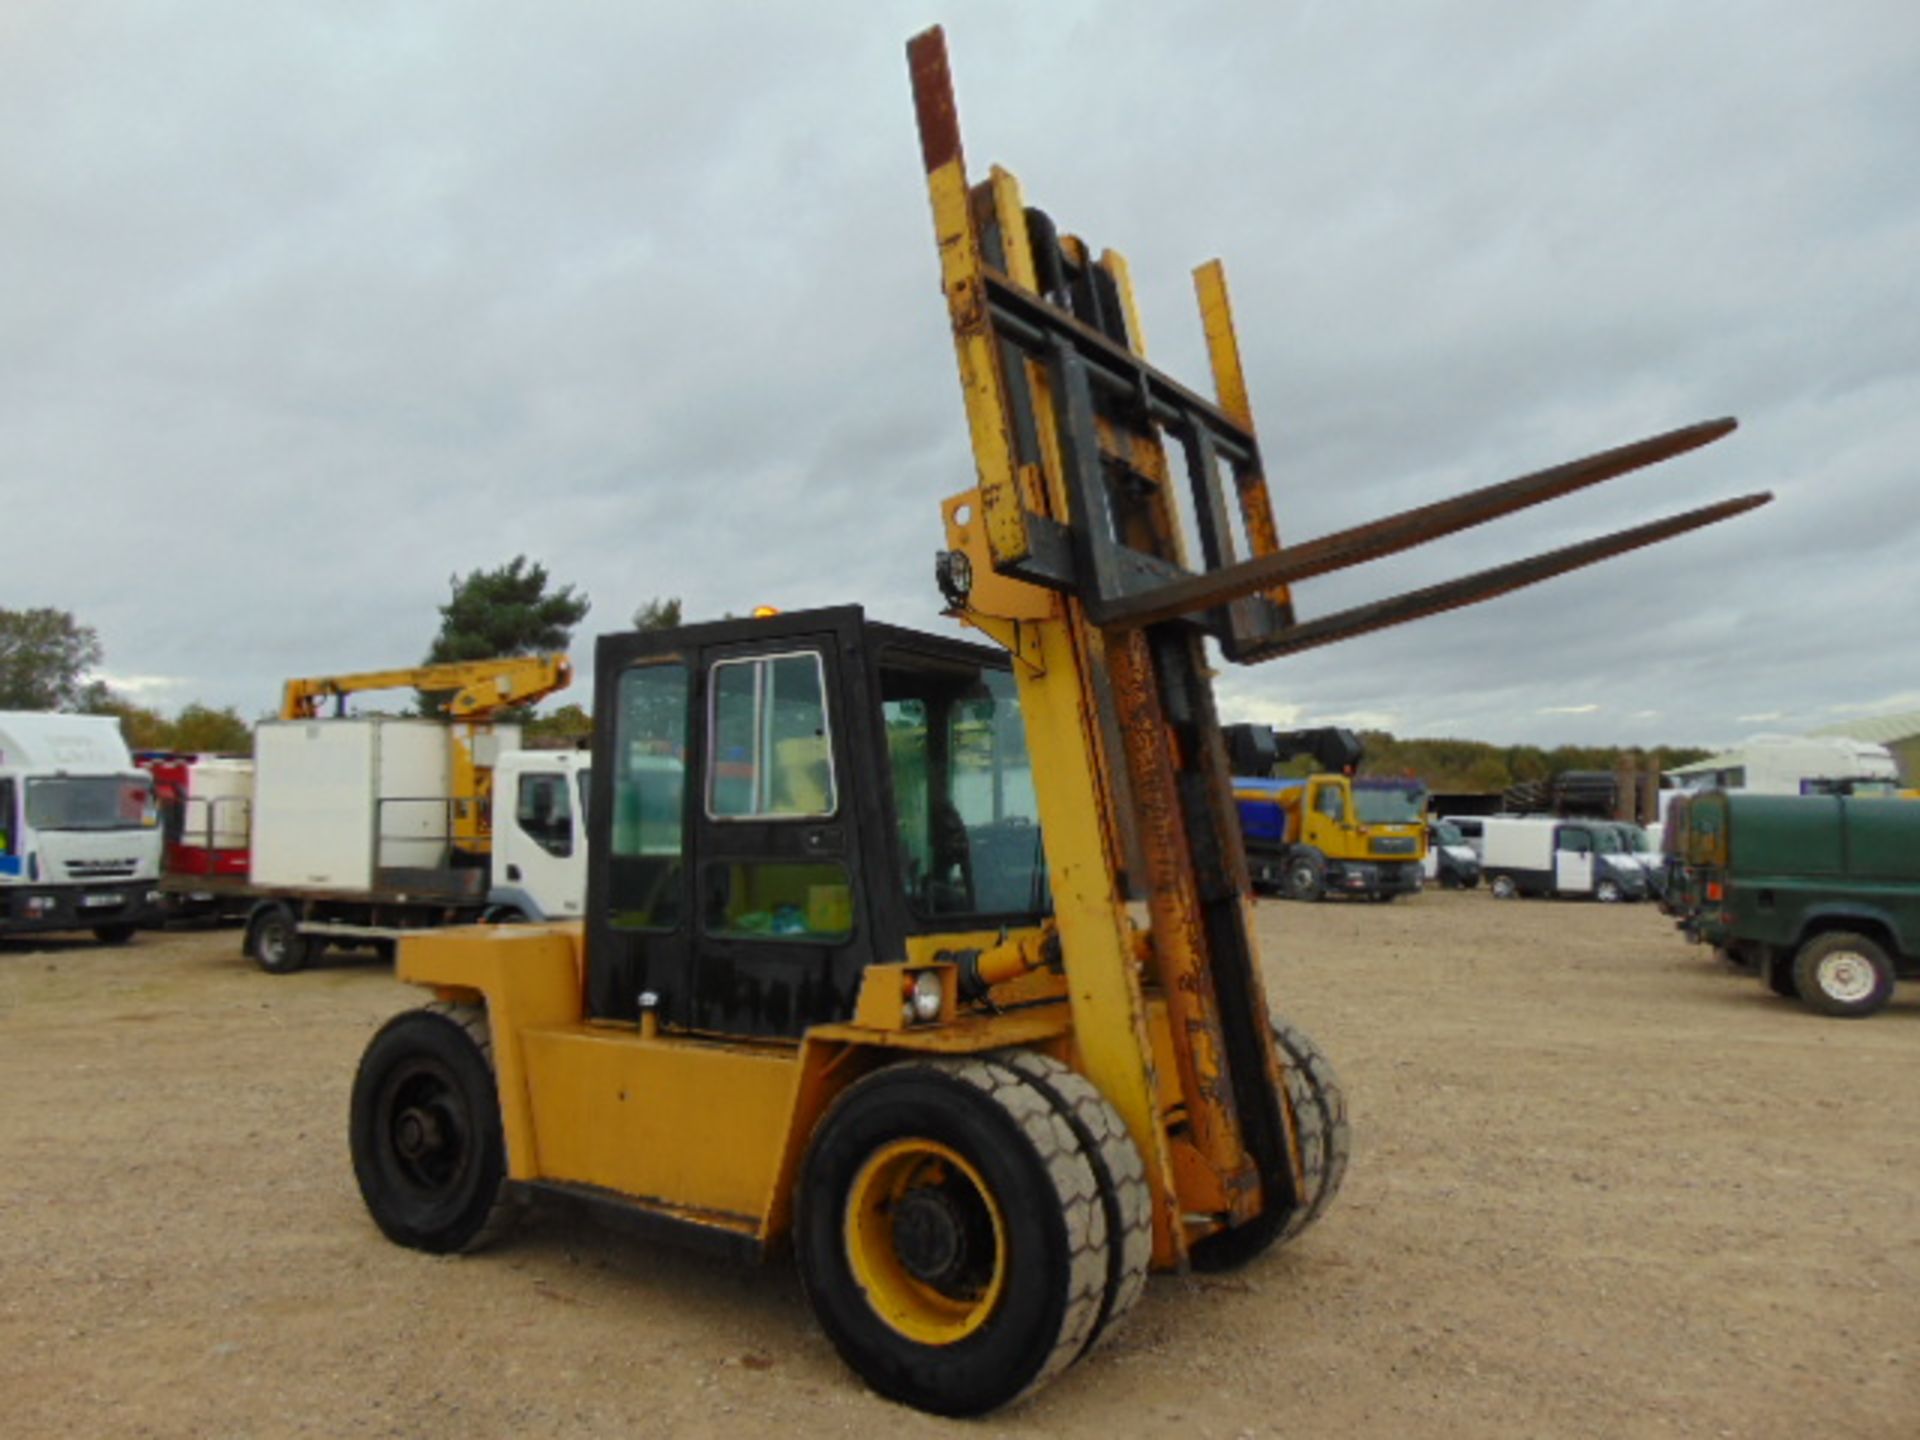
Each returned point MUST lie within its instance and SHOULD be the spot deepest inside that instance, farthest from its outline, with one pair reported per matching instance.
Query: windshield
(968, 825)
(1389, 804)
(1607, 841)
(91, 802)
(1636, 839)
(1445, 834)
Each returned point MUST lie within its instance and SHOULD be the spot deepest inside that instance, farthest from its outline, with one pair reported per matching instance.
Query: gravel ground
(1601, 1186)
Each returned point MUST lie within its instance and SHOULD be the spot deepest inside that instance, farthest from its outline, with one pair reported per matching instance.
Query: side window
(544, 809)
(648, 825)
(771, 754)
(1327, 800)
(1577, 842)
(6, 817)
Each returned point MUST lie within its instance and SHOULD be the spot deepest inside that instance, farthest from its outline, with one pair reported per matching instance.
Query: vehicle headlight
(925, 995)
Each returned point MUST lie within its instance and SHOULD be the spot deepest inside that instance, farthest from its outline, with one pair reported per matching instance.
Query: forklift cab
(779, 802)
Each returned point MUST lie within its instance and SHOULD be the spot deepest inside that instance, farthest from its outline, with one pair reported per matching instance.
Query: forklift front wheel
(1319, 1107)
(425, 1131)
(951, 1234)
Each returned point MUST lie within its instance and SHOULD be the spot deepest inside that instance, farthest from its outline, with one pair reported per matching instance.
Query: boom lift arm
(482, 690)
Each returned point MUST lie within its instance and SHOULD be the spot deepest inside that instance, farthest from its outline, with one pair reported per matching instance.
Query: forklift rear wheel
(1843, 973)
(1304, 878)
(1320, 1123)
(275, 942)
(425, 1131)
(1501, 887)
(113, 934)
(952, 1234)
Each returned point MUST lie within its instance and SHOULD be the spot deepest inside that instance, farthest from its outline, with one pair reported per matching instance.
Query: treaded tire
(1053, 1271)
(1118, 1168)
(424, 1129)
(1843, 973)
(1319, 1105)
(275, 942)
(1305, 879)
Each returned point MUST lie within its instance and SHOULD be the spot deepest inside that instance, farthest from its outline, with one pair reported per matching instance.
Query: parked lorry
(932, 961)
(1331, 833)
(1818, 895)
(80, 839)
(1796, 765)
(1544, 855)
(362, 829)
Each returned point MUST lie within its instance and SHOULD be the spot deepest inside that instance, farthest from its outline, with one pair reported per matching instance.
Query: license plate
(98, 902)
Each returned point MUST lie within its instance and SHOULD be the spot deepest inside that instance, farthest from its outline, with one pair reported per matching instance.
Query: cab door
(1573, 860)
(541, 849)
(776, 918)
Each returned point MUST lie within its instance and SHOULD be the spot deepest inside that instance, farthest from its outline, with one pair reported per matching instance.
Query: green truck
(1819, 895)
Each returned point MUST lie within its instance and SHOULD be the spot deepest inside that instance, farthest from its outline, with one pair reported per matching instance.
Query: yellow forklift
(930, 960)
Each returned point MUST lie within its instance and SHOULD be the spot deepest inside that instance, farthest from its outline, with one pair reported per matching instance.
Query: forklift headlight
(924, 1000)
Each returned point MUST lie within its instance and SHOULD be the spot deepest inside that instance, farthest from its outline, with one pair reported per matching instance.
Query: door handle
(513, 872)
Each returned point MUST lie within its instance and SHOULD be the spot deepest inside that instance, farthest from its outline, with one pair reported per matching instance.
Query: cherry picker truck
(930, 960)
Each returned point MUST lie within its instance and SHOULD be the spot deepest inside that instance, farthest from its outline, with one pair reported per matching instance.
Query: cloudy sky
(304, 308)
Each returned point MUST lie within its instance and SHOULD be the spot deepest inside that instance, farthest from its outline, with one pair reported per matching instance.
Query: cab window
(648, 824)
(1328, 800)
(544, 810)
(1577, 842)
(771, 756)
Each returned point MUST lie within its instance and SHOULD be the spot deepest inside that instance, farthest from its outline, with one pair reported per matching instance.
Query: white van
(1542, 855)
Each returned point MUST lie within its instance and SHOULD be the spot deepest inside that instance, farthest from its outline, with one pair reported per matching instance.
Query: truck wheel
(1305, 878)
(1319, 1107)
(1779, 973)
(951, 1234)
(275, 942)
(1843, 973)
(1607, 892)
(1502, 887)
(113, 934)
(425, 1132)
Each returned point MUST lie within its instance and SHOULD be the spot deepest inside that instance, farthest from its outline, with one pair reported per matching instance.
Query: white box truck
(80, 837)
(353, 826)
(1542, 855)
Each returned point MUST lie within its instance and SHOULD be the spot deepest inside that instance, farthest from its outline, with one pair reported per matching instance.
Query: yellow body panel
(688, 1125)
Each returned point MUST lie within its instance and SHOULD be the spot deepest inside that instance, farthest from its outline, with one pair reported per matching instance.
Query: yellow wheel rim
(926, 1241)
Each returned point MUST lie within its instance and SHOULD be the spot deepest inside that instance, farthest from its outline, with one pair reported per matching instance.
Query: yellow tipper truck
(933, 961)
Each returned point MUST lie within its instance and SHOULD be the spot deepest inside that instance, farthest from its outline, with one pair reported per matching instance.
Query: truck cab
(80, 839)
(539, 856)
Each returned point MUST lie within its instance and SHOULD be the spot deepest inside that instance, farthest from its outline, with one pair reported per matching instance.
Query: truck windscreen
(90, 802)
(1389, 805)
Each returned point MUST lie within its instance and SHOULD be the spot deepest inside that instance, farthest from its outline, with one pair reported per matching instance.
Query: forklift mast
(1070, 552)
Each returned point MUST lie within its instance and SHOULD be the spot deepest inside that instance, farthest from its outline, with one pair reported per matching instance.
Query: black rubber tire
(275, 942)
(1037, 1173)
(1117, 1167)
(1825, 960)
(1319, 1105)
(1305, 879)
(114, 934)
(1502, 887)
(432, 1069)
(1779, 972)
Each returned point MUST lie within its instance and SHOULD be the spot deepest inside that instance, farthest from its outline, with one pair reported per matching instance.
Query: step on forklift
(933, 961)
